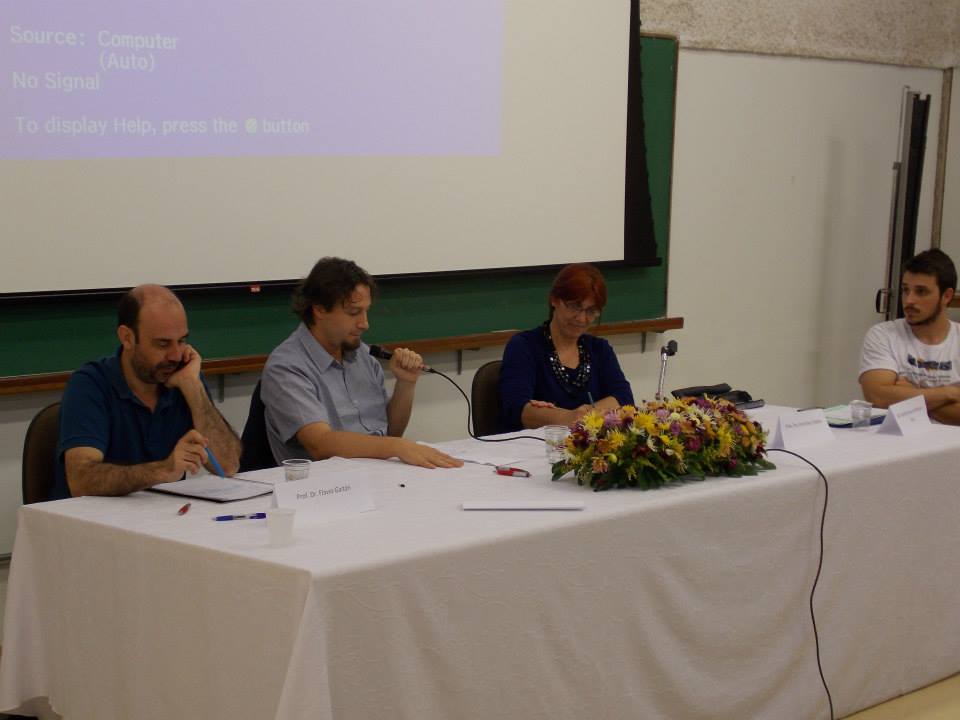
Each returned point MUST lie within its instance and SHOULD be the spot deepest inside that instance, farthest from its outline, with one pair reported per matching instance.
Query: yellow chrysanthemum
(724, 440)
(645, 422)
(616, 440)
(593, 422)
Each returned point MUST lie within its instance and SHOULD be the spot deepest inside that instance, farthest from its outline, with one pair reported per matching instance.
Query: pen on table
(184, 509)
(812, 407)
(510, 471)
(213, 461)
(247, 516)
(590, 398)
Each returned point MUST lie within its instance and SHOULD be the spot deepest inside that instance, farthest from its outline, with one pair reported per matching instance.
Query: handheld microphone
(668, 350)
(384, 354)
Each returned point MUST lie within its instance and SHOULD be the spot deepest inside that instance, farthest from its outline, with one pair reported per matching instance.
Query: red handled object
(511, 471)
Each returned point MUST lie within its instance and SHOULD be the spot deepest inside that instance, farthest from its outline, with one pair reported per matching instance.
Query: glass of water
(296, 469)
(556, 437)
(860, 413)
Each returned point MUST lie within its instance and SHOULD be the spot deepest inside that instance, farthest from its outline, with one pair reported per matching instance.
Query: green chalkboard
(57, 334)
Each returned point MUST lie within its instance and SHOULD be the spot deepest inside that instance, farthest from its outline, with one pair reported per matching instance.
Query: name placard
(801, 429)
(907, 417)
(323, 497)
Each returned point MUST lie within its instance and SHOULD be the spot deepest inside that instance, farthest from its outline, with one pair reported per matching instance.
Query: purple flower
(580, 438)
(693, 443)
(675, 428)
(662, 414)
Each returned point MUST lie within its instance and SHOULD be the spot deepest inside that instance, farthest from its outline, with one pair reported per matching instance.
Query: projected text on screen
(126, 78)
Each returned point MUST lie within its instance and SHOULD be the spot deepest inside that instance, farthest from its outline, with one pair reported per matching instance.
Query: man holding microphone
(324, 393)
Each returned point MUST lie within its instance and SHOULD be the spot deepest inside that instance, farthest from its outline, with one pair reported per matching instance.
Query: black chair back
(485, 399)
(256, 453)
(39, 455)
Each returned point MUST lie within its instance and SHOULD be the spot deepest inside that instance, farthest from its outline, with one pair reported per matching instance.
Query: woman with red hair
(555, 373)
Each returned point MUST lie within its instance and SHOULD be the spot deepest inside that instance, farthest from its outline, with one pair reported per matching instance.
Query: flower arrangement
(660, 442)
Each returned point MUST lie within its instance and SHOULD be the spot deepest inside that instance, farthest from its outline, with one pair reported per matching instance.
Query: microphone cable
(384, 354)
(823, 516)
(813, 618)
(470, 416)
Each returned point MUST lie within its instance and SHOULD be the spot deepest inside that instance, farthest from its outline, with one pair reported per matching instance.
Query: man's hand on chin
(189, 369)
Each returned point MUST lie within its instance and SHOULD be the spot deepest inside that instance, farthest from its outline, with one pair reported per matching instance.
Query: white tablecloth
(686, 602)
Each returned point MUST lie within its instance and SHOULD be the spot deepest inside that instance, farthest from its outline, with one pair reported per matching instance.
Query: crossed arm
(885, 387)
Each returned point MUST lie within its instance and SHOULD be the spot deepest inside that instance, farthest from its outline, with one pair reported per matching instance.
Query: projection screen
(216, 142)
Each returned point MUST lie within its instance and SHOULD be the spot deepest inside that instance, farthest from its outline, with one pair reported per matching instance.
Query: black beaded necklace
(572, 381)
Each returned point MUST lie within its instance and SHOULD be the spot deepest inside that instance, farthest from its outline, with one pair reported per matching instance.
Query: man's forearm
(342, 443)
(886, 395)
(400, 408)
(948, 414)
(100, 478)
(207, 420)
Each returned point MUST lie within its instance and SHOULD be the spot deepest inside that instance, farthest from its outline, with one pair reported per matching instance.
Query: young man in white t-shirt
(918, 354)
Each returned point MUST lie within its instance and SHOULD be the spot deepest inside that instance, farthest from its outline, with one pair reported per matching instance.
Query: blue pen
(590, 398)
(213, 461)
(248, 516)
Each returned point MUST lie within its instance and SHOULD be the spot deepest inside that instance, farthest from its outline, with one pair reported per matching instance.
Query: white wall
(950, 229)
(782, 184)
(781, 192)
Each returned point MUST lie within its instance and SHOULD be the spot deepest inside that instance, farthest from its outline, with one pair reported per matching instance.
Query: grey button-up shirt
(303, 384)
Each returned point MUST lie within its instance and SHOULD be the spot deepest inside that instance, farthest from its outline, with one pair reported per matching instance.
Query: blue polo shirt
(100, 411)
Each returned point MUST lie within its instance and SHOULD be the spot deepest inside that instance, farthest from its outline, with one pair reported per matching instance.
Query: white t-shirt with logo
(893, 346)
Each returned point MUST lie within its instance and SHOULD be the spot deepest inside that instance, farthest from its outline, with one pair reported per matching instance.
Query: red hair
(579, 282)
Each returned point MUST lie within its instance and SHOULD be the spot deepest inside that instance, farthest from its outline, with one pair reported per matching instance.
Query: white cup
(296, 469)
(280, 526)
(556, 436)
(860, 413)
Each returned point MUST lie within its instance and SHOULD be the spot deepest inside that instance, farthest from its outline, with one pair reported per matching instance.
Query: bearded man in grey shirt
(324, 393)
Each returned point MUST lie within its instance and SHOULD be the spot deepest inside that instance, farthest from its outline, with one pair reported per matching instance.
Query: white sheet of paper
(214, 487)
(492, 453)
(267, 476)
(801, 429)
(907, 417)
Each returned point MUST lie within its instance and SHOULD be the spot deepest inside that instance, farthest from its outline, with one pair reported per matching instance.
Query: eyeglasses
(591, 313)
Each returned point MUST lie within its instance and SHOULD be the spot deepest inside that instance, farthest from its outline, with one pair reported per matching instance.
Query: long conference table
(686, 602)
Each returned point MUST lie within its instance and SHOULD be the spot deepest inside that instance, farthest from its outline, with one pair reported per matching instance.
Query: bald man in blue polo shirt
(142, 416)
